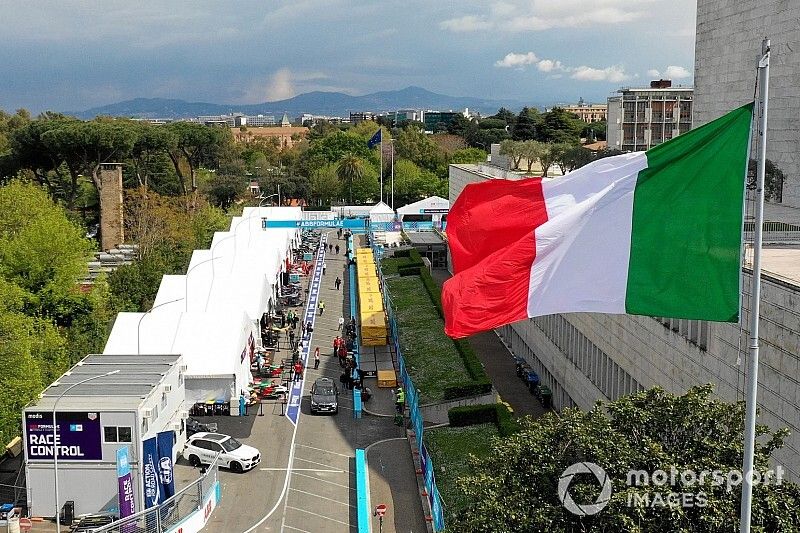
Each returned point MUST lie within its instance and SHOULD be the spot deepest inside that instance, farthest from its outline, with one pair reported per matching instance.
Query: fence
(412, 402)
(773, 232)
(200, 497)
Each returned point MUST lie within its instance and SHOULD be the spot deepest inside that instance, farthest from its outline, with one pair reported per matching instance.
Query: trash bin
(545, 396)
(532, 381)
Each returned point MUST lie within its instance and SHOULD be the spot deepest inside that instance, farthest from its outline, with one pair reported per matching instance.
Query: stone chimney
(111, 222)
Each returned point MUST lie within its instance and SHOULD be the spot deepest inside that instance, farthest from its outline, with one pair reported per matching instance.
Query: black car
(194, 426)
(324, 396)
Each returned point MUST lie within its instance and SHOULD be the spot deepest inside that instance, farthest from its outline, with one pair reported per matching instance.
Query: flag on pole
(648, 233)
(375, 140)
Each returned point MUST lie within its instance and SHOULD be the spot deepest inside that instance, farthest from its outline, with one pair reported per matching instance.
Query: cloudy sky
(71, 55)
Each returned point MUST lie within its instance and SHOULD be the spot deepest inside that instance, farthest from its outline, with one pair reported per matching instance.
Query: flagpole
(380, 132)
(752, 374)
(392, 145)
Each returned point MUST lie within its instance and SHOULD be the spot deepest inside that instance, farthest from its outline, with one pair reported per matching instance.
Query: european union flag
(375, 140)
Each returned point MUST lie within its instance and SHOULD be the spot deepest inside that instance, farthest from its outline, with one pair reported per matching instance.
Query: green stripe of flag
(687, 221)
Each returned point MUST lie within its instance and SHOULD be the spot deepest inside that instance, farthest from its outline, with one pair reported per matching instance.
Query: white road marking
(321, 516)
(313, 462)
(330, 470)
(322, 480)
(321, 497)
(326, 451)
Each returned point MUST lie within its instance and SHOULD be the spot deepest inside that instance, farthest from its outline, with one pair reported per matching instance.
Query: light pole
(139, 325)
(55, 440)
(186, 280)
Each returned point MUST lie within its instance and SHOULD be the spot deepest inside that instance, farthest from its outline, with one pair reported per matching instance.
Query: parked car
(203, 448)
(195, 426)
(324, 396)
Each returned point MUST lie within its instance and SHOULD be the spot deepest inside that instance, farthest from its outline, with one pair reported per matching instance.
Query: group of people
(331, 248)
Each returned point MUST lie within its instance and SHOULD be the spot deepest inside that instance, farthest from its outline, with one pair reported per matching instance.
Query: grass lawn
(431, 358)
(450, 448)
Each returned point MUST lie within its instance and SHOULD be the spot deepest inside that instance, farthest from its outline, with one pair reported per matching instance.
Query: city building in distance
(640, 118)
(588, 112)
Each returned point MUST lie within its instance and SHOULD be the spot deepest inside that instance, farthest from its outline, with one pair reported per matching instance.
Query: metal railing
(164, 517)
(773, 232)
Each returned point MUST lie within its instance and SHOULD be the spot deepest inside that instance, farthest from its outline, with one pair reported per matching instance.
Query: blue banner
(152, 487)
(375, 139)
(127, 504)
(164, 442)
(436, 510)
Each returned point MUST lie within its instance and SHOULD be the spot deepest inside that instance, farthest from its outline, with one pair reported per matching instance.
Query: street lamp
(186, 280)
(55, 440)
(139, 325)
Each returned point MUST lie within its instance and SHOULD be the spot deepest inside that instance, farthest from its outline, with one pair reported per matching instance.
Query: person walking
(337, 249)
(316, 358)
(335, 345)
(338, 282)
(341, 323)
(321, 307)
(303, 329)
(298, 370)
(324, 266)
(330, 248)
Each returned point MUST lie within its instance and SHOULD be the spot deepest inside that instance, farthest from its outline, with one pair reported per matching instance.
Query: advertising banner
(152, 486)
(437, 511)
(127, 504)
(77, 438)
(164, 442)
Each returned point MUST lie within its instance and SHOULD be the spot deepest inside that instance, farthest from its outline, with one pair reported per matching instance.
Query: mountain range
(317, 103)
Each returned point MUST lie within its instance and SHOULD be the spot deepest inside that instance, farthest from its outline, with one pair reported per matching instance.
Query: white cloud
(540, 15)
(466, 23)
(548, 65)
(672, 72)
(613, 74)
(513, 60)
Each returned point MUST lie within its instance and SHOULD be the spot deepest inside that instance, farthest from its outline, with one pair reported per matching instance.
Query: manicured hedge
(481, 383)
(402, 253)
(496, 413)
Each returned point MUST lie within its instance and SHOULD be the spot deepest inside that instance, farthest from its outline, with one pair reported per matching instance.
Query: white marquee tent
(215, 347)
(381, 212)
(434, 206)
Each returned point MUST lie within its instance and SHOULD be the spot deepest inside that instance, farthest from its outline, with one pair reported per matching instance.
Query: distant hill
(317, 102)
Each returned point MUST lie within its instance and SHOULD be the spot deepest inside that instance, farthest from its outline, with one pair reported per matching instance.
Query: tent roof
(433, 202)
(209, 342)
(381, 208)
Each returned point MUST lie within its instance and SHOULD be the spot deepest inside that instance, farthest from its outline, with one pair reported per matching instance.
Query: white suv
(202, 448)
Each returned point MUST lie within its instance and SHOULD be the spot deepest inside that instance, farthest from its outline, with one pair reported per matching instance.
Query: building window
(117, 433)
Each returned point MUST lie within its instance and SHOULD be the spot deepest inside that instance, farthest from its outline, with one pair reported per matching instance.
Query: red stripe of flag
(490, 234)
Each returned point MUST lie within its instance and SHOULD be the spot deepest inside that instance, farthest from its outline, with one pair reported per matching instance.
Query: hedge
(496, 413)
(481, 383)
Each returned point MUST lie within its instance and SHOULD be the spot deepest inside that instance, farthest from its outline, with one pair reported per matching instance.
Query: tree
(773, 179)
(532, 152)
(595, 131)
(527, 124)
(349, 170)
(513, 150)
(568, 157)
(558, 126)
(462, 126)
(223, 189)
(148, 151)
(547, 152)
(506, 116)
(516, 487)
(325, 185)
(413, 144)
(195, 144)
(492, 124)
(468, 155)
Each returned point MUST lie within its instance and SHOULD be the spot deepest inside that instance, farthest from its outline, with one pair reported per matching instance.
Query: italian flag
(647, 233)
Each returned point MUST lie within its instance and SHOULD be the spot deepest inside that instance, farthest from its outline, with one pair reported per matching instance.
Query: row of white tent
(211, 314)
(435, 206)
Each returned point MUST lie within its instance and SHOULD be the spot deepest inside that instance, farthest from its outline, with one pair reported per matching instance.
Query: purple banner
(127, 504)
(77, 438)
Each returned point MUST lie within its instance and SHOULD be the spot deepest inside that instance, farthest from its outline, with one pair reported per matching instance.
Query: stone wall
(729, 35)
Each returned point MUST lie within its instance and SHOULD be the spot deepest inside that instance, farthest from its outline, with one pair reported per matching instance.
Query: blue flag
(375, 140)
